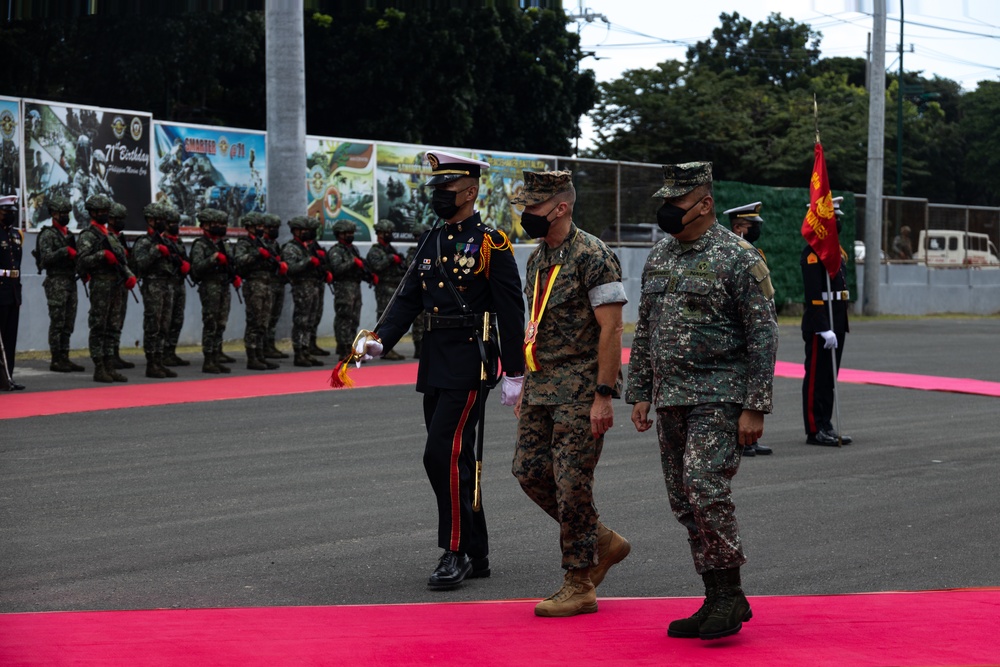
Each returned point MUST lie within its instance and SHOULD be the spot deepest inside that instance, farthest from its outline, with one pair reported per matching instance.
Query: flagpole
(829, 307)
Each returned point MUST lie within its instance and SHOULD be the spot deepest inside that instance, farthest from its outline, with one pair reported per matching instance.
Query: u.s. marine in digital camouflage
(703, 356)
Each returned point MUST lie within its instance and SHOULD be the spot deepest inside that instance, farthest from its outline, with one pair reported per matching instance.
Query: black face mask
(752, 234)
(308, 235)
(536, 226)
(174, 228)
(273, 234)
(670, 217)
(101, 218)
(118, 224)
(159, 227)
(217, 230)
(10, 217)
(443, 203)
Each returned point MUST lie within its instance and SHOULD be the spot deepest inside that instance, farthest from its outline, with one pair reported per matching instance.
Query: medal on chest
(465, 256)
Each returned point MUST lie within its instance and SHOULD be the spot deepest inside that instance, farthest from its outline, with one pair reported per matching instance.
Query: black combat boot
(118, 362)
(262, 357)
(272, 352)
(315, 350)
(166, 371)
(73, 367)
(342, 351)
(223, 358)
(110, 367)
(312, 360)
(170, 358)
(255, 363)
(100, 372)
(218, 362)
(688, 628)
(210, 365)
(153, 369)
(60, 363)
(301, 358)
(730, 608)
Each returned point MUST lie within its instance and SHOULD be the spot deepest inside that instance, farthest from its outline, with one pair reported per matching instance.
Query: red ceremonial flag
(820, 225)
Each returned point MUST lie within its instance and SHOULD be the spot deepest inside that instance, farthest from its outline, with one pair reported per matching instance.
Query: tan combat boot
(577, 596)
(612, 548)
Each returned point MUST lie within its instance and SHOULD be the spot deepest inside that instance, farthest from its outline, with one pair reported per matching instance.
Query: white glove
(829, 340)
(368, 347)
(510, 389)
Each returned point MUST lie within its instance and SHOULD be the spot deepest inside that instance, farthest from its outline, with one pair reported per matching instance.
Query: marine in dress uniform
(820, 334)
(745, 221)
(464, 270)
(11, 246)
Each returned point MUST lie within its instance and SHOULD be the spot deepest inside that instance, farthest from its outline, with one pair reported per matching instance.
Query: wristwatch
(604, 390)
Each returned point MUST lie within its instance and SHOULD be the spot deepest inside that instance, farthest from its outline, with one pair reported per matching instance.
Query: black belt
(432, 321)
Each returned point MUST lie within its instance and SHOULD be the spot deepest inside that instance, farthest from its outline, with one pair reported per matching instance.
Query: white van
(946, 247)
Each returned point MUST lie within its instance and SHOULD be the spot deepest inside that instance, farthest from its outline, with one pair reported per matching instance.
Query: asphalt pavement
(321, 498)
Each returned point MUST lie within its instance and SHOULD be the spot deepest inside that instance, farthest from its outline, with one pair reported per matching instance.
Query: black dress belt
(432, 321)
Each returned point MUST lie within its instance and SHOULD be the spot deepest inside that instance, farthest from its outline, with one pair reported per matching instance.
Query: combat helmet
(117, 211)
(170, 214)
(251, 219)
(271, 220)
(384, 226)
(153, 211)
(343, 226)
(300, 222)
(208, 216)
(59, 204)
(98, 203)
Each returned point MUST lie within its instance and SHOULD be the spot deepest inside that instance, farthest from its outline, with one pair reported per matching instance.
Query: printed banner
(403, 199)
(77, 151)
(218, 167)
(340, 181)
(10, 147)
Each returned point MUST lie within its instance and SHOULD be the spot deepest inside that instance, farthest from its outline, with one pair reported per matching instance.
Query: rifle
(273, 258)
(368, 275)
(120, 265)
(313, 249)
(220, 245)
(174, 253)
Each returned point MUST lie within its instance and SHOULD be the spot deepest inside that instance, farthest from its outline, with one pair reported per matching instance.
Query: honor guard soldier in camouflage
(213, 269)
(573, 351)
(272, 226)
(745, 221)
(417, 330)
(156, 265)
(703, 358)
(386, 262)
(11, 247)
(466, 281)
(57, 258)
(259, 268)
(349, 269)
(117, 215)
(820, 334)
(178, 286)
(100, 256)
(325, 279)
(307, 274)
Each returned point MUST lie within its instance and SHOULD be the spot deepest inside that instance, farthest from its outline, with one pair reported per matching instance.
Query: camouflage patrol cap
(300, 222)
(59, 204)
(251, 219)
(271, 220)
(384, 225)
(207, 216)
(343, 226)
(680, 179)
(540, 186)
(98, 203)
(117, 211)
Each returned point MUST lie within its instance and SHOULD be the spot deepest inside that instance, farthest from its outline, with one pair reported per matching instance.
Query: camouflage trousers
(383, 294)
(277, 304)
(322, 291)
(60, 293)
(157, 309)
(259, 299)
(700, 454)
(554, 461)
(346, 312)
(119, 316)
(305, 298)
(106, 295)
(178, 304)
(215, 298)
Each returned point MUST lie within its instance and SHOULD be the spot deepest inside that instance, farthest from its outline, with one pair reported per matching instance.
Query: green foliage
(979, 127)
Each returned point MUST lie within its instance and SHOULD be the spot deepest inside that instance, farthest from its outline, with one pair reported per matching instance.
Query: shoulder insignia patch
(812, 258)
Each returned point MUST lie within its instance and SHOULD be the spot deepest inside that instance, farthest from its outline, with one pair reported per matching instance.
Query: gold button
(450, 237)
(435, 309)
(444, 259)
(441, 284)
(455, 270)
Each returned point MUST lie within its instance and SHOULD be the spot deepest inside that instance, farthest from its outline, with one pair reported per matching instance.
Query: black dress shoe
(821, 438)
(760, 449)
(748, 451)
(844, 439)
(451, 571)
(480, 568)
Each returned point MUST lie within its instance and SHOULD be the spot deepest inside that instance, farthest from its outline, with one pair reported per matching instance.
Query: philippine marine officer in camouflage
(178, 285)
(307, 275)
(386, 262)
(155, 266)
(211, 268)
(101, 256)
(703, 357)
(57, 257)
(573, 351)
(259, 268)
(349, 270)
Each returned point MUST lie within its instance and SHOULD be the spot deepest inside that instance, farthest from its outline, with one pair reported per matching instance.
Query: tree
(980, 110)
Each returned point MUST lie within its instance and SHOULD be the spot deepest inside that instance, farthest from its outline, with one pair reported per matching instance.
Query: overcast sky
(955, 39)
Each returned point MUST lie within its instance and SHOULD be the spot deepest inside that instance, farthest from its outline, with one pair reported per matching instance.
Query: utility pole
(876, 164)
(899, 110)
(286, 107)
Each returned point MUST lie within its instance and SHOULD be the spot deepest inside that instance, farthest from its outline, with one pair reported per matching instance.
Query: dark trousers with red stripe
(451, 417)
(817, 385)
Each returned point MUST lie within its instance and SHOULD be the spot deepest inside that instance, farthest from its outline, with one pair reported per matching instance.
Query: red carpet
(858, 630)
(35, 404)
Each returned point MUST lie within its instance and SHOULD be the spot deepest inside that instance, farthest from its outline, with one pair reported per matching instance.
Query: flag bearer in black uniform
(820, 334)
(11, 245)
(463, 271)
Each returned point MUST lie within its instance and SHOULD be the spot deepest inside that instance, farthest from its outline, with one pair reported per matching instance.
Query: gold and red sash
(537, 310)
